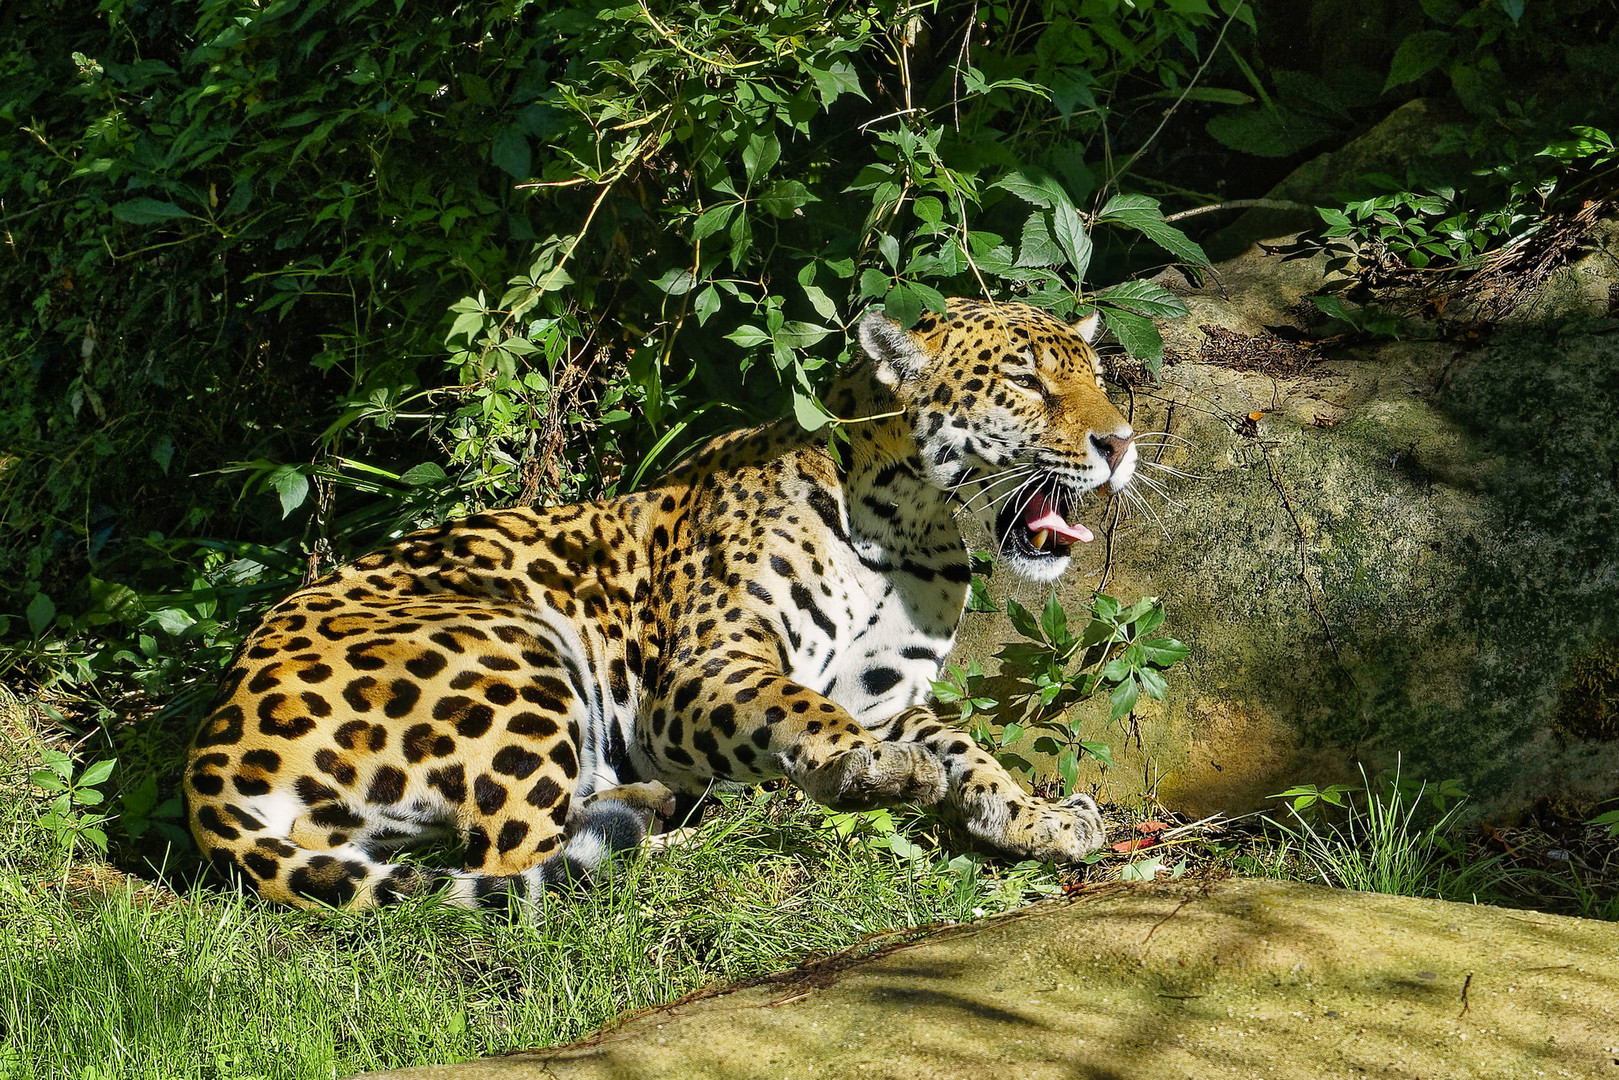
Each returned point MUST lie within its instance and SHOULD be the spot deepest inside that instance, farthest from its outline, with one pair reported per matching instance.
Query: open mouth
(1036, 525)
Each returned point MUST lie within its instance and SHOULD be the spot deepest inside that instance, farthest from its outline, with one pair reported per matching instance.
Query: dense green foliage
(285, 277)
(276, 255)
(282, 278)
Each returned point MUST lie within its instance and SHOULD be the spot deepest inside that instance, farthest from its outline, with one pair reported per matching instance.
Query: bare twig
(1238, 204)
(1166, 918)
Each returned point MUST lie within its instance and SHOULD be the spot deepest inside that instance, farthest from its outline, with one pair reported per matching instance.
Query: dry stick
(1239, 204)
(962, 58)
(1166, 918)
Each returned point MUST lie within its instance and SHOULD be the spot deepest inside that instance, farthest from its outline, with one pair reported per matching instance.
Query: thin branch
(1114, 179)
(1239, 204)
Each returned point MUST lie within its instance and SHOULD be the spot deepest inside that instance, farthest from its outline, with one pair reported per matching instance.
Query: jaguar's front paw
(1059, 832)
(882, 775)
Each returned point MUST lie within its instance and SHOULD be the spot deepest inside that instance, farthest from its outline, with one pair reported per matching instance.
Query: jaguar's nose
(1112, 448)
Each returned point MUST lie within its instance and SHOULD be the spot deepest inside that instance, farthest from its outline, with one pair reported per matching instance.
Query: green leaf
(1418, 54)
(748, 337)
(1022, 621)
(873, 283)
(1010, 733)
(467, 327)
(510, 152)
(888, 245)
(1023, 657)
(706, 304)
(41, 613)
(1265, 132)
(712, 220)
(1054, 621)
(1124, 698)
(1070, 233)
(1214, 94)
(1142, 869)
(139, 802)
(1611, 820)
(1141, 213)
(1153, 684)
(1033, 184)
(1038, 247)
(47, 779)
(799, 335)
(676, 281)
(428, 472)
(811, 415)
(1164, 651)
(146, 211)
(113, 602)
(291, 485)
(476, 89)
(1144, 298)
(97, 773)
(932, 299)
(162, 452)
(835, 80)
(903, 305)
(1101, 751)
(1137, 334)
(759, 154)
(1068, 769)
(823, 304)
(782, 198)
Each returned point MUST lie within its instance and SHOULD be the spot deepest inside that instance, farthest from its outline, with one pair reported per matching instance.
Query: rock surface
(1389, 550)
(1244, 979)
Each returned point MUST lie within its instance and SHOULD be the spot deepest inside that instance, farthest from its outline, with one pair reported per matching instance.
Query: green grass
(108, 977)
(103, 975)
(1387, 843)
(1391, 836)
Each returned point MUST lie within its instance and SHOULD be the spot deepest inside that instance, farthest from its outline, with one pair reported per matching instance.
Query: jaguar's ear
(1090, 327)
(897, 353)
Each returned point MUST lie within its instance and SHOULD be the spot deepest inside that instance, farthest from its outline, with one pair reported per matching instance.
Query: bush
(309, 273)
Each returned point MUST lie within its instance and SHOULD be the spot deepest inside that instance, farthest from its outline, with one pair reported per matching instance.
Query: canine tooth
(1040, 539)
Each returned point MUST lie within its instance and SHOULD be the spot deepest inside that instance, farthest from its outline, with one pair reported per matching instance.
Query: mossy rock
(1407, 557)
(1236, 978)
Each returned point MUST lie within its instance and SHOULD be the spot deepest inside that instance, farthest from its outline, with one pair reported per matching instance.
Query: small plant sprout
(1058, 666)
(71, 817)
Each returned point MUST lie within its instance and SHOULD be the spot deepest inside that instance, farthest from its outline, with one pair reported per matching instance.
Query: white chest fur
(894, 609)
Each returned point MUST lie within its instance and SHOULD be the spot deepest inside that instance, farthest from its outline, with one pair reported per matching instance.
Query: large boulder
(1241, 978)
(1391, 550)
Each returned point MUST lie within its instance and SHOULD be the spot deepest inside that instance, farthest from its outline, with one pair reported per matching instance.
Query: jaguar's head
(1007, 409)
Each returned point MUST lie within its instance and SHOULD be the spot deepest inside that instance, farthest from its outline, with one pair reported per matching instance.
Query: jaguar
(541, 684)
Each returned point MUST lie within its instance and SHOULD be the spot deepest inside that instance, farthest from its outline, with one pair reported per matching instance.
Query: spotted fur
(538, 682)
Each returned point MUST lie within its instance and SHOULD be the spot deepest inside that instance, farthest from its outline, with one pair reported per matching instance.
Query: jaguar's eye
(1028, 381)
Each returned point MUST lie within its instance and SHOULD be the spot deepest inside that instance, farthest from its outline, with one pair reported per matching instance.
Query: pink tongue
(1041, 513)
